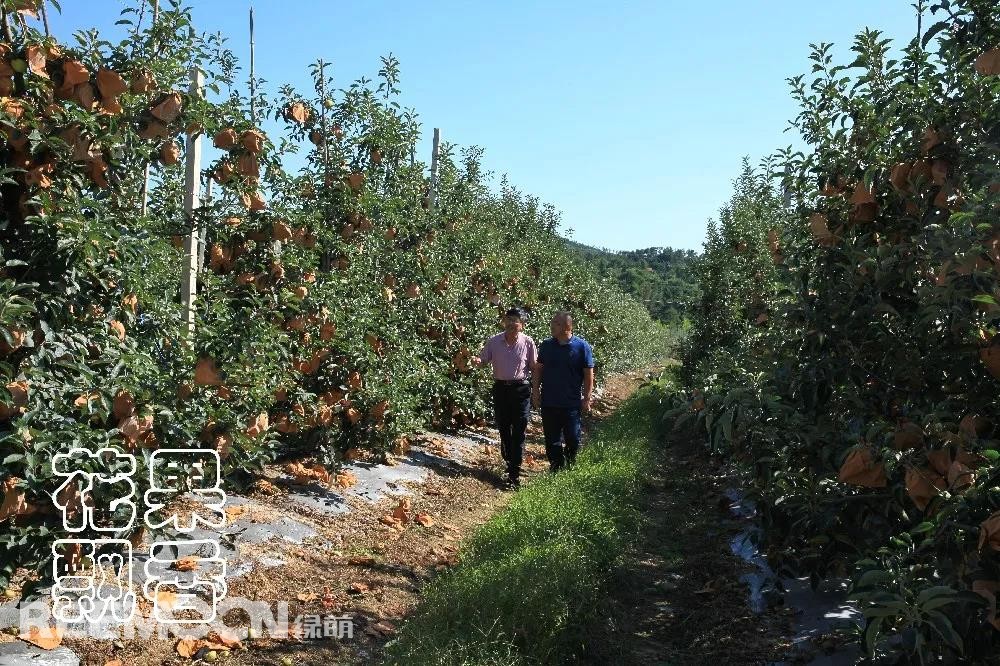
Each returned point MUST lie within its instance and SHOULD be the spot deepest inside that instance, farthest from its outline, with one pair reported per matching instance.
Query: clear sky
(630, 117)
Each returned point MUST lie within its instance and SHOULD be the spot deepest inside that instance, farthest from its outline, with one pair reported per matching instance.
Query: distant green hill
(659, 277)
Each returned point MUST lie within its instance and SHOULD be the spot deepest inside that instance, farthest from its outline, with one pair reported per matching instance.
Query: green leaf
(872, 633)
(938, 603)
(942, 625)
(932, 31)
(935, 591)
(870, 578)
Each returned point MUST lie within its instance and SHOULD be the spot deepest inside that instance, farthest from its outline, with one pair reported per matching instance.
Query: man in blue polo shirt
(565, 371)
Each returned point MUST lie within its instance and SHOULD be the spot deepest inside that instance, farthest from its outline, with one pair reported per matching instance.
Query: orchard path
(325, 551)
(679, 599)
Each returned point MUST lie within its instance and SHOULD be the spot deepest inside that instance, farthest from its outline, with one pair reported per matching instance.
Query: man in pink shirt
(512, 355)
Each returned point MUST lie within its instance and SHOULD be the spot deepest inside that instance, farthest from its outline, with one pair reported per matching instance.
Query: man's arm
(536, 379)
(588, 387)
(588, 376)
(537, 368)
(485, 356)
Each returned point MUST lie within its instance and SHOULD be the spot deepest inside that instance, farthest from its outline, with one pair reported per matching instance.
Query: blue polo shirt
(562, 374)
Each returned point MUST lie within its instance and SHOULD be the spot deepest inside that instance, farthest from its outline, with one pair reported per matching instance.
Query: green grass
(530, 579)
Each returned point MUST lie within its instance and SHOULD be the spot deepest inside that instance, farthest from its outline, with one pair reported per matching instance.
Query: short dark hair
(564, 315)
(516, 312)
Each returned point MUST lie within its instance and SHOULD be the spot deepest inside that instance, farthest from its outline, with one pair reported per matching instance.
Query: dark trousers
(512, 407)
(562, 435)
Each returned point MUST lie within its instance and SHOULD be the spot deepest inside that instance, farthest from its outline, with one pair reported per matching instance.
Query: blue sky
(630, 117)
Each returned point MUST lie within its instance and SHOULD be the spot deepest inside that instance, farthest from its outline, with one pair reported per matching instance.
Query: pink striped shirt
(510, 362)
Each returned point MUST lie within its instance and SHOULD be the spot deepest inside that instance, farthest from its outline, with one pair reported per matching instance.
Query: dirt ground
(677, 600)
(372, 572)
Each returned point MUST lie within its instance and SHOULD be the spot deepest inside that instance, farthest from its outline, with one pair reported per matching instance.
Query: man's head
(513, 321)
(562, 325)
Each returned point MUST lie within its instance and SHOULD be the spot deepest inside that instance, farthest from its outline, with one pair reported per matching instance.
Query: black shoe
(512, 483)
